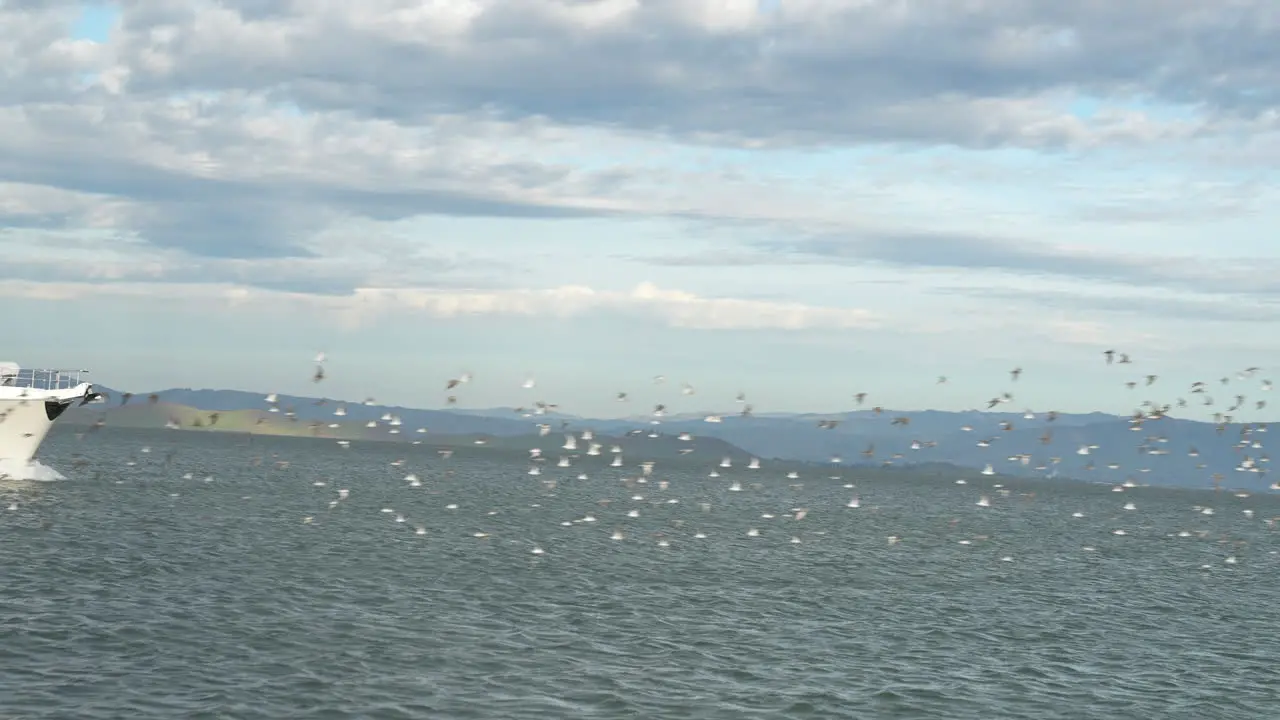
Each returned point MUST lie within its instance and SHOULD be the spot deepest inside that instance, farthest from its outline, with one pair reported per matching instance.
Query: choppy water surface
(131, 591)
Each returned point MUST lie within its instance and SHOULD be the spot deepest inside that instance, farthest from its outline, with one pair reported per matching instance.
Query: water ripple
(131, 592)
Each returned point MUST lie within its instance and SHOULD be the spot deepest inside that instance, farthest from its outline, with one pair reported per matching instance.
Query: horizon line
(687, 414)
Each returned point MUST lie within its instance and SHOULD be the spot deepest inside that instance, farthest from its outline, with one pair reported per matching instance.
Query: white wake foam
(32, 471)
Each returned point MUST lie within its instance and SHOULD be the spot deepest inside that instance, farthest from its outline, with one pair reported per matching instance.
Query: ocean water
(185, 582)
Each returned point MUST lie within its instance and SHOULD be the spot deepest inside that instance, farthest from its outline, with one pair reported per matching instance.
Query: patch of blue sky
(193, 96)
(798, 163)
(1090, 107)
(1225, 235)
(999, 175)
(1084, 107)
(603, 151)
(557, 240)
(95, 22)
(504, 235)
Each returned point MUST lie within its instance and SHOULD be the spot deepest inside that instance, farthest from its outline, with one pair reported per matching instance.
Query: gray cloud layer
(824, 70)
(956, 252)
(245, 129)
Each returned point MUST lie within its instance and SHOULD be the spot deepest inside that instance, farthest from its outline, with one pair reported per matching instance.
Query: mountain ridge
(1093, 446)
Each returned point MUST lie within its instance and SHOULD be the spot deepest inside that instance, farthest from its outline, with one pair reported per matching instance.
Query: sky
(798, 199)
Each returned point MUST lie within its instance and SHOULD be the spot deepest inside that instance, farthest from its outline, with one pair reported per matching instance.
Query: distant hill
(308, 409)
(1157, 452)
(634, 447)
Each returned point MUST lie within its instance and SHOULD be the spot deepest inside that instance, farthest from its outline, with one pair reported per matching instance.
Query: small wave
(29, 471)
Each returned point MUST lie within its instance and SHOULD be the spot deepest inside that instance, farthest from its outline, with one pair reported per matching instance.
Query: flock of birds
(577, 449)
(634, 480)
(1147, 410)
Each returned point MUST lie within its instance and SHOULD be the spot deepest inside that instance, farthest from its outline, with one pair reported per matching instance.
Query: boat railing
(40, 379)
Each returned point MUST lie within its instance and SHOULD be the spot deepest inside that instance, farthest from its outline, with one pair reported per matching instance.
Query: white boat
(30, 402)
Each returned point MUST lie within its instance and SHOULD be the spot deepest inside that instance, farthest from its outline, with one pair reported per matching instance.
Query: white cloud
(278, 145)
(674, 307)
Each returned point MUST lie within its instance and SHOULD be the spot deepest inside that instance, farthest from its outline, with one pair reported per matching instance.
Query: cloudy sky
(802, 199)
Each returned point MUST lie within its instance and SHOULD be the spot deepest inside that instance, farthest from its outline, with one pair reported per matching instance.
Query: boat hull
(26, 420)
